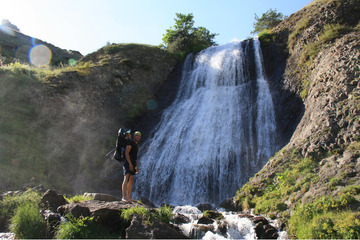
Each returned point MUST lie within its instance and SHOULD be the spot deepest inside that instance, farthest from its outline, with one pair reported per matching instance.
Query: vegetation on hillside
(267, 21)
(183, 38)
(58, 123)
(304, 186)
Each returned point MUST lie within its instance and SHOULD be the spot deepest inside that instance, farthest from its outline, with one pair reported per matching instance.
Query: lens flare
(72, 62)
(152, 104)
(40, 55)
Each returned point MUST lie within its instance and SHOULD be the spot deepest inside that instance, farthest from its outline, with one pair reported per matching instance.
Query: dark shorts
(126, 168)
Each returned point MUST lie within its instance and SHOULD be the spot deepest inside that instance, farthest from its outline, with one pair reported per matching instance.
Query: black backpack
(121, 142)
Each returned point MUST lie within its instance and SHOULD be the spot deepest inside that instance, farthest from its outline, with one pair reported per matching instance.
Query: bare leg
(129, 186)
(124, 186)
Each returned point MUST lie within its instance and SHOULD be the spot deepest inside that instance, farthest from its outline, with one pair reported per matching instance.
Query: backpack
(121, 142)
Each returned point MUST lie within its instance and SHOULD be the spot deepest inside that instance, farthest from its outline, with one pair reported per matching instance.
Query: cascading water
(218, 132)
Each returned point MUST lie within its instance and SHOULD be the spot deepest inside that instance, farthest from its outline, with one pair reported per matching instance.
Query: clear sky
(87, 25)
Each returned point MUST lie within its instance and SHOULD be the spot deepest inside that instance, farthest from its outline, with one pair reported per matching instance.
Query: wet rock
(147, 202)
(205, 220)
(205, 206)
(246, 215)
(52, 221)
(229, 205)
(213, 215)
(180, 219)
(52, 200)
(158, 230)
(198, 231)
(260, 219)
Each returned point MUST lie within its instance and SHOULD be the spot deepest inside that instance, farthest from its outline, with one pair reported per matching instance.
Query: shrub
(9, 204)
(332, 31)
(28, 222)
(81, 228)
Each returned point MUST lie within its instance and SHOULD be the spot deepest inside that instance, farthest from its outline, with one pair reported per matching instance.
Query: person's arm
(127, 151)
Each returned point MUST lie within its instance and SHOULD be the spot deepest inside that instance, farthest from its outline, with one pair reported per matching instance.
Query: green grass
(82, 228)
(163, 214)
(78, 198)
(28, 222)
(326, 218)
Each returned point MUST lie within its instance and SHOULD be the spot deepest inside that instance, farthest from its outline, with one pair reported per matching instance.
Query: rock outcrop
(319, 51)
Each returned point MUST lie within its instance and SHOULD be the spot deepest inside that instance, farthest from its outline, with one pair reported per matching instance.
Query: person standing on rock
(130, 166)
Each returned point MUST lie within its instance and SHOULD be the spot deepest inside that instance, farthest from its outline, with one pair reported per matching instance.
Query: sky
(87, 25)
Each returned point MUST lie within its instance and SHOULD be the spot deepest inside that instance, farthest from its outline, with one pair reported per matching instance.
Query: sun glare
(40, 55)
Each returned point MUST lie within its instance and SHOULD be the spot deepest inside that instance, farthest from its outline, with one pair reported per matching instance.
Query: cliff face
(62, 122)
(319, 48)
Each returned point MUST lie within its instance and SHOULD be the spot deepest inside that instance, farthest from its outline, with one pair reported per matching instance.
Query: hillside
(16, 46)
(313, 182)
(57, 125)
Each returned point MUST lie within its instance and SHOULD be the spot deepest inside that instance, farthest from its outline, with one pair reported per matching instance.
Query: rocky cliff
(317, 173)
(57, 125)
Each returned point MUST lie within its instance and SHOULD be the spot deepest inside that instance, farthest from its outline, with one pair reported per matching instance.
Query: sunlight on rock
(40, 55)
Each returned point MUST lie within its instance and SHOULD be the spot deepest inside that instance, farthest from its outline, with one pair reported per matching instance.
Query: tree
(184, 38)
(268, 20)
(8, 24)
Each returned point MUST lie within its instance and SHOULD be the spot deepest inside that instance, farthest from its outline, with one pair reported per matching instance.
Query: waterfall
(218, 132)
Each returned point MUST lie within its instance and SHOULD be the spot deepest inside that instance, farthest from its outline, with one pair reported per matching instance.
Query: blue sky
(87, 25)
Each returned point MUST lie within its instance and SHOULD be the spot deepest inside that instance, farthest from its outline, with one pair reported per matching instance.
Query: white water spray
(219, 131)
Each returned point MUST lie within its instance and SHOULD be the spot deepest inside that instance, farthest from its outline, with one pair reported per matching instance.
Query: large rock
(107, 214)
(52, 200)
(158, 230)
(229, 205)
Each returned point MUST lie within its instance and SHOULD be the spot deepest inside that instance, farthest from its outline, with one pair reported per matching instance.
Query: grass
(163, 214)
(78, 198)
(82, 228)
(28, 222)
(327, 218)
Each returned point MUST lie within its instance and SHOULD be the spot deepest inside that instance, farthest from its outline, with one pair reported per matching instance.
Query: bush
(82, 228)
(28, 222)
(9, 204)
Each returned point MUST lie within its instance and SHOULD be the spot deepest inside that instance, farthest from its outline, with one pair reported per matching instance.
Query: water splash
(218, 132)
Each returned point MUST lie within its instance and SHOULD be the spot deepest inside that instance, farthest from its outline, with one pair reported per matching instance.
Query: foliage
(82, 228)
(7, 23)
(266, 37)
(267, 21)
(28, 222)
(183, 38)
(9, 204)
(163, 214)
(79, 198)
(324, 218)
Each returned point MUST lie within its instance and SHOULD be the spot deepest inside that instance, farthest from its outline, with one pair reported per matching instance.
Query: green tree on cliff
(268, 20)
(183, 38)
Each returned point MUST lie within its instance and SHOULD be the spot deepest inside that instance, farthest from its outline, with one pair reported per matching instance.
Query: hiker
(130, 166)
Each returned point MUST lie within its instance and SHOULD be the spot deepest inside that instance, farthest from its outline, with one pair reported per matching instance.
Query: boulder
(214, 215)
(107, 214)
(52, 200)
(229, 205)
(52, 221)
(205, 206)
(205, 220)
(158, 230)
(101, 196)
(147, 202)
(198, 231)
(180, 219)
(266, 231)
